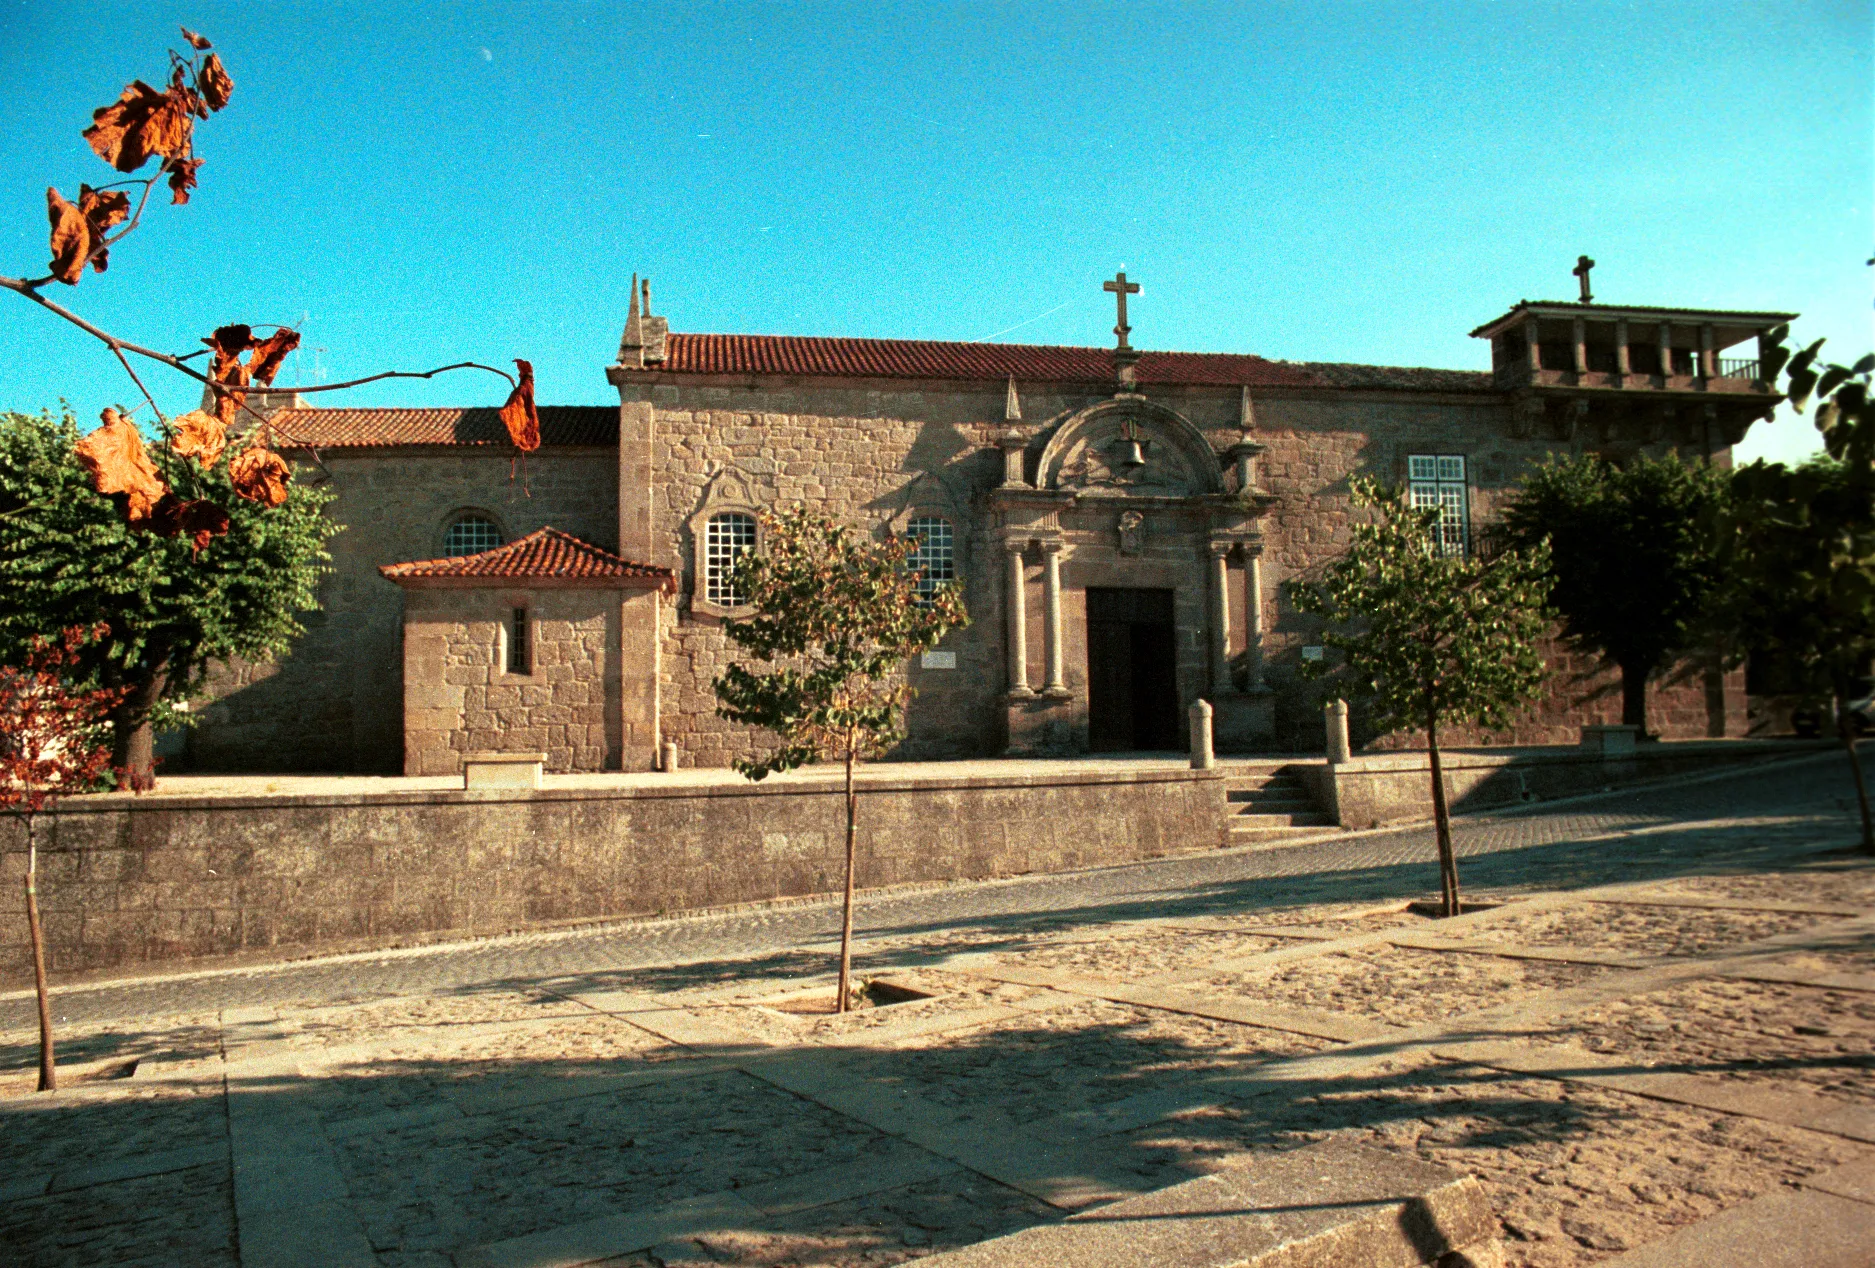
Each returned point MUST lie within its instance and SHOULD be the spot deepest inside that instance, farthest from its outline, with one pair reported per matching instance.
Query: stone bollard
(1202, 756)
(668, 756)
(1335, 713)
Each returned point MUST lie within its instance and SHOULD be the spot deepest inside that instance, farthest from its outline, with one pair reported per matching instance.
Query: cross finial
(1120, 289)
(1581, 270)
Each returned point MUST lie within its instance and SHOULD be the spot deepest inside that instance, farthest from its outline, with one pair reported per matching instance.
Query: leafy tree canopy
(1633, 555)
(1428, 637)
(69, 558)
(838, 614)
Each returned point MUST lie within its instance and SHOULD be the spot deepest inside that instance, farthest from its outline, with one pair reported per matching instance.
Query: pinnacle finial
(1012, 407)
(1246, 412)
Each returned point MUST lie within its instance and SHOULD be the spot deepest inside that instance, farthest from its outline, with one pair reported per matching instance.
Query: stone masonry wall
(125, 880)
(460, 695)
(334, 704)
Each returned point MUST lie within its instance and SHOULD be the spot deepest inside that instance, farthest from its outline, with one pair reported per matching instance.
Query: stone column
(1581, 340)
(1623, 363)
(1057, 685)
(1018, 623)
(1708, 359)
(1666, 349)
(1253, 616)
(1220, 619)
(1532, 350)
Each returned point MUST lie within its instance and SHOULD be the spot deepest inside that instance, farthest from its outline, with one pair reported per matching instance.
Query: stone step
(1297, 819)
(1277, 805)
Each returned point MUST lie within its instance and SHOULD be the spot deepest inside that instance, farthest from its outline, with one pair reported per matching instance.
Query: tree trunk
(1846, 728)
(846, 914)
(133, 736)
(1442, 821)
(48, 1073)
(1634, 695)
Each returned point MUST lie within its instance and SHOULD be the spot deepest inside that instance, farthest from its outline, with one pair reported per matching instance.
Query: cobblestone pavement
(1666, 1016)
(1577, 843)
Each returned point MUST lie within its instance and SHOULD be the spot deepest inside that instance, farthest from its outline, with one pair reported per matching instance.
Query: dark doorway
(1132, 683)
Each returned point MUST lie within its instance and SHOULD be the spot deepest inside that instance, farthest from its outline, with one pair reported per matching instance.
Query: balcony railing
(1738, 368)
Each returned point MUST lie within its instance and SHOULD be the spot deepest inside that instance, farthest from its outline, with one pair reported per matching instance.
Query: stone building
(1119, 519)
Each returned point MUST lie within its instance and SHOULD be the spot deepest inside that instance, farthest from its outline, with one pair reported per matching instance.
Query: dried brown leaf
(118, 463)
(196, 42)
(215, 83)
(226, 367)
(519, 414)
(182, 179)
(103, 209)
(199, 436)
(71, 238)
(260, 475)
(141, 122)
(269, 353)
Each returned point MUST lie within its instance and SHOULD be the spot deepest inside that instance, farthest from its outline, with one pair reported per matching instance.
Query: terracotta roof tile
(935, 359)
(545, 555)
(478, 425)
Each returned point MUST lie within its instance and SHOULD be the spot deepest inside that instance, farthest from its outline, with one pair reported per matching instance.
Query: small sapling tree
(53, 744)
(836, 616)
(1429, 636)
(1632, 555)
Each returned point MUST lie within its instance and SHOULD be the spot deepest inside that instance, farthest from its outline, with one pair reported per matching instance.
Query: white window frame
(1443, 481)
(701, 602)
(463, 516)
(935, 558)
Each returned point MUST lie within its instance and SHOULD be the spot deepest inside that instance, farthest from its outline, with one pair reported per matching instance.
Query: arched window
(726, 538)
(470, 535)
(936, 556)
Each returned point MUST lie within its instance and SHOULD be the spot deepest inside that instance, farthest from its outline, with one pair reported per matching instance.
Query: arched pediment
(1129, 447)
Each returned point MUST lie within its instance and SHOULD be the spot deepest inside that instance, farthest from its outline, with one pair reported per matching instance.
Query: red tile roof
(478, 425)
(546, 555)
(935, 359)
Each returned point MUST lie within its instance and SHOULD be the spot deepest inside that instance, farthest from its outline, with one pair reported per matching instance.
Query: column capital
(1220, 550)
(1052, 545)
(1016, 546)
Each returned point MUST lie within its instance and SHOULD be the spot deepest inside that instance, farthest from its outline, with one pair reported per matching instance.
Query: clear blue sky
(1316, 181)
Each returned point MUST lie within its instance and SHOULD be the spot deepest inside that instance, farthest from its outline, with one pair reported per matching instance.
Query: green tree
(169, 605)
(1803, 543)
(1429, 638)
(836, 615)
(1632, 554)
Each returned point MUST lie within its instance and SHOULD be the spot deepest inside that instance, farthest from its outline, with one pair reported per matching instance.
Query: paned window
(470, 535)
(517, 641)
(936, 556)
(726, 538)
(1439, 480)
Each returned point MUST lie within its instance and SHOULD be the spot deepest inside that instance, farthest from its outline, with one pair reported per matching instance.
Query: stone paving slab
(1779, 1230)
(1335, 1205)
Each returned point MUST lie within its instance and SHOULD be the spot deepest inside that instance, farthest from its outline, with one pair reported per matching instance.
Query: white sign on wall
(938, 660)
(1311, 653)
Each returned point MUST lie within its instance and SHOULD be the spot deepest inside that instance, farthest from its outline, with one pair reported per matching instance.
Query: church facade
(1120, 521)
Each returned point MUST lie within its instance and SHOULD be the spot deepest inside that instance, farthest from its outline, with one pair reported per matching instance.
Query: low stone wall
(1376, 789)
(131, 879)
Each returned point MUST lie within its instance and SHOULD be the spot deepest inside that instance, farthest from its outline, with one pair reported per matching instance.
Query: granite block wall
(128, 880)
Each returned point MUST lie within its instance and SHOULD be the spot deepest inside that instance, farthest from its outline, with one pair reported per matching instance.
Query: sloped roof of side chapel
(545, 555)
(802, 356)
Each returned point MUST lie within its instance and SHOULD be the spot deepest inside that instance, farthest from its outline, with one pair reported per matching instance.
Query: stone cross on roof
(1581, 270)
(1120, 289)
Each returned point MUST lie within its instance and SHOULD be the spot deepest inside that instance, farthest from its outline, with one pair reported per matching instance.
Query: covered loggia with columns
(1127, 543)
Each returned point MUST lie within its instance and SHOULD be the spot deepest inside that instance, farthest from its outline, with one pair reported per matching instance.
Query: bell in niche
(1132, 454)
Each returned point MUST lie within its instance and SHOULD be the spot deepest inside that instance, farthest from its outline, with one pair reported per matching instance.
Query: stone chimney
(643, 342)
(265, 401)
